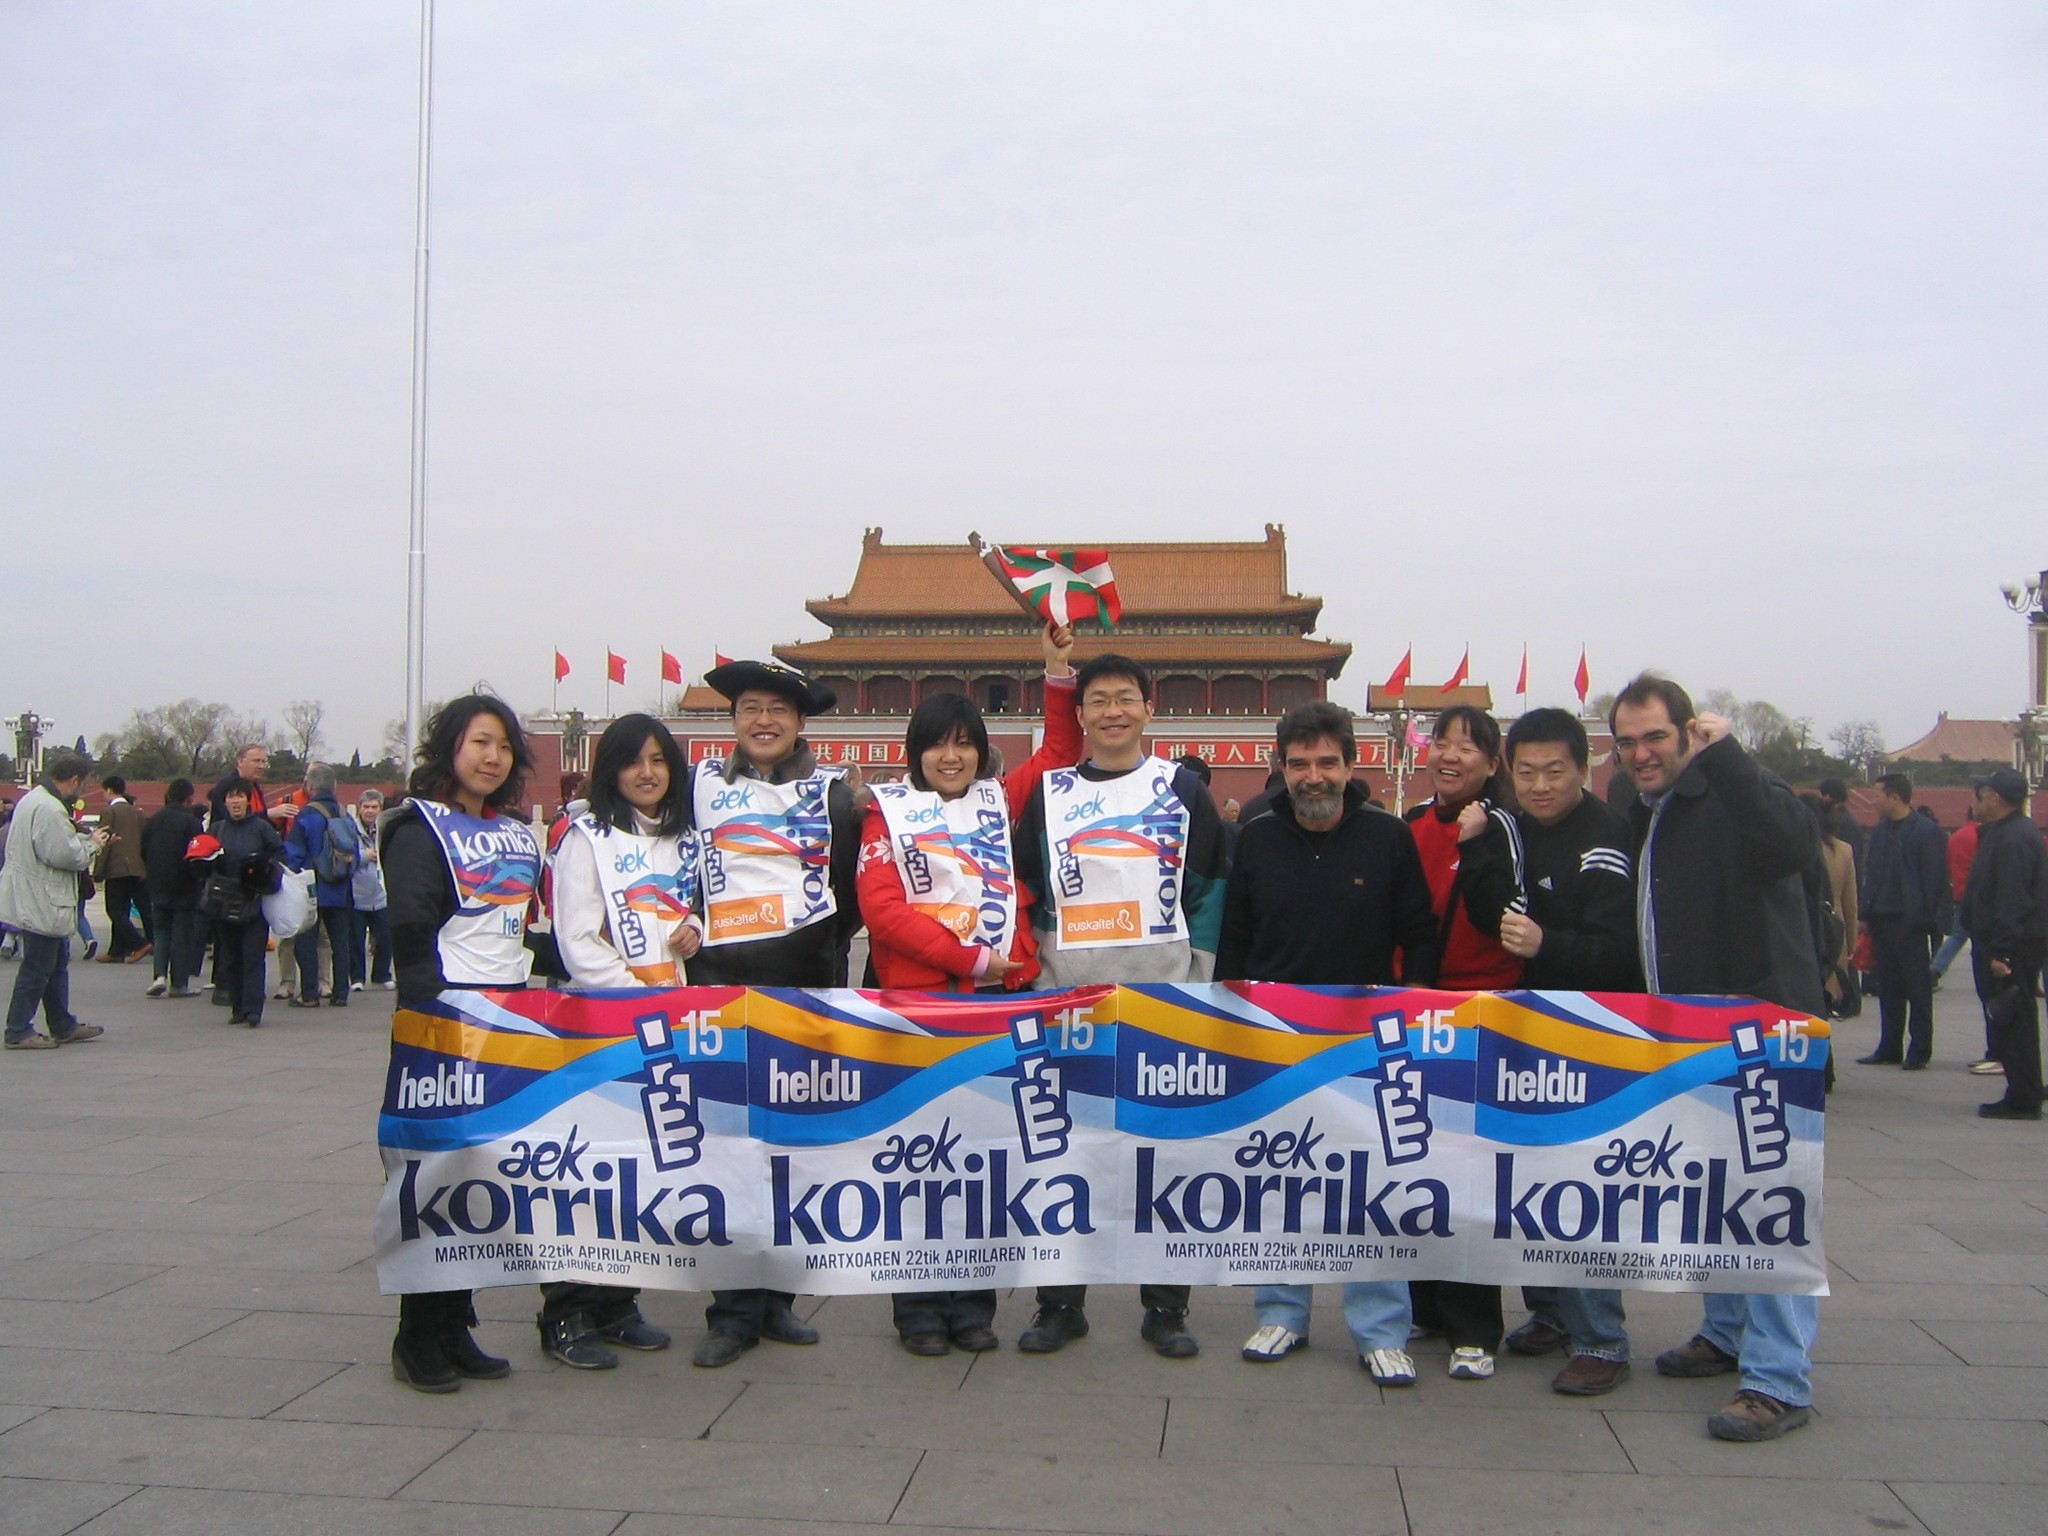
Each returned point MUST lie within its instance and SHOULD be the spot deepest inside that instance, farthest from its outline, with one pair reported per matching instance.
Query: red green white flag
(1063, 585)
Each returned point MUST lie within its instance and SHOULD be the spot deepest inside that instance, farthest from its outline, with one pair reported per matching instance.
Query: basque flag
(1062, 585)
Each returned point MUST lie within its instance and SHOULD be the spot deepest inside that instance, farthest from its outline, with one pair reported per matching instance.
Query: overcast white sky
(1710, 336)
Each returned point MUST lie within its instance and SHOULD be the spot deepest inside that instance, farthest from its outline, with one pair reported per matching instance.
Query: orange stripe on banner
(472, 1042)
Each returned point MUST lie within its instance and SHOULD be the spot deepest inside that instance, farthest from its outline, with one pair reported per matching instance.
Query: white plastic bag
(290, 909)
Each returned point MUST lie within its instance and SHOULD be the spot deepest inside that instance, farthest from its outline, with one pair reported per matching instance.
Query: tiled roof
(1427, 701)
(949, 579)
(1021, 651)
(1967, 741)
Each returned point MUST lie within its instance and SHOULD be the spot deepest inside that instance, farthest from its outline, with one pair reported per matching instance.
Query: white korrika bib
(954, 858)
(650, 887)
(764, 852)
(1117, 853)
(496, 865)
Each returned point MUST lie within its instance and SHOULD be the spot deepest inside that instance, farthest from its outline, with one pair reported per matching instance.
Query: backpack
(340, 851)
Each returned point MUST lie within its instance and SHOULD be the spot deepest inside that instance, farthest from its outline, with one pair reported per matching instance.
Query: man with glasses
(780, 847)
(1124, 855)
(1579, 935)
(1721, 849)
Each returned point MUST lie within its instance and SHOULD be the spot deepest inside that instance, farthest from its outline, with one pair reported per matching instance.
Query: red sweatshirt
(1473, 959)
(911, 950)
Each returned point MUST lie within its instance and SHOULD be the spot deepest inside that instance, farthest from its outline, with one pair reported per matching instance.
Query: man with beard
(1325, 891)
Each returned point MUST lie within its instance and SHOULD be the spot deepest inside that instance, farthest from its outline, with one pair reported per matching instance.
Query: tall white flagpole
(416, 544)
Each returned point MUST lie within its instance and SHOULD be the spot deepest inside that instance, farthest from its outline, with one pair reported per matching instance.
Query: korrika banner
(1225, 1134)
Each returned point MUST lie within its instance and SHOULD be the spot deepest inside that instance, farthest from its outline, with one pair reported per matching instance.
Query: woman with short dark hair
(938, 931)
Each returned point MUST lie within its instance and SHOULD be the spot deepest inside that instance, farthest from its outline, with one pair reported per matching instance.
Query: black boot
(420, 1360)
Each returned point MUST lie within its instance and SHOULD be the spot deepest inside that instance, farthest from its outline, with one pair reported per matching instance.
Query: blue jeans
(1773, 1338)
(44, 980)
(1596, 1320)
(1951, 946)
(1376, 1311)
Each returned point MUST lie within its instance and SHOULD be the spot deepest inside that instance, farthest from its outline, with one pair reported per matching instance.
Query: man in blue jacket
(1904, 899)
(324, 841)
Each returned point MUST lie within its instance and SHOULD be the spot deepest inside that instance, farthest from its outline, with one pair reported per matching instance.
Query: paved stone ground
(191, 1340)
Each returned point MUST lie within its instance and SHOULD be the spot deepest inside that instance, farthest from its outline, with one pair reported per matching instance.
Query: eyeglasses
(773, 709)
(1113, 701)
(1651, 739)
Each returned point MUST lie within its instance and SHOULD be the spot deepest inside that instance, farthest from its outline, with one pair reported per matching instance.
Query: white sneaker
(283, 993)
(1987, 1068)
(158, 987)
(1470, 1363)
(387, 986)
(1272, 1342)
(355, 986)
(1389, 1367)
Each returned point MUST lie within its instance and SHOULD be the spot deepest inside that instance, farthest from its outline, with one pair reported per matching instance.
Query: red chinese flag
(1582, 679)
(1397, 680)
(1464, 670)
(671, 669)
(720, 659)
(1522, 677)
(614, 666)
(561, 666)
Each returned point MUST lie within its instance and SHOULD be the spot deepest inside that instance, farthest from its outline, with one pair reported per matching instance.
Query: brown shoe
(1756, 1416)
(1696, 1357)
(1589, 1376)
(1536, 1337)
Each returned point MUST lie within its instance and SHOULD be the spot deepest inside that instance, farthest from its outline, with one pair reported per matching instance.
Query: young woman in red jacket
(943, 905)
(1472, 858)
(938, 886)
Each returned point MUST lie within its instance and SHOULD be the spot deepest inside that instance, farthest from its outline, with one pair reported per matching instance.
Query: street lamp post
(2031, 602)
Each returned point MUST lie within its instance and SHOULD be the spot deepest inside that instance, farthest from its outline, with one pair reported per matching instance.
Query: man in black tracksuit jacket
(1579, 935)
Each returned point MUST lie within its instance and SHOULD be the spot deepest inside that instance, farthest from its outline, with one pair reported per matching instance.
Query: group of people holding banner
(1096, 862)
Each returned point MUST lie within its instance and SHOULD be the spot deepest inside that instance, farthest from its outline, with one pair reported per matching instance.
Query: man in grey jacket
(46, 854)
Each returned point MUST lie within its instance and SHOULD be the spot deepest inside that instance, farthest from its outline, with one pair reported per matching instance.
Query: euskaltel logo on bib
(1092, 922)
(750, 915)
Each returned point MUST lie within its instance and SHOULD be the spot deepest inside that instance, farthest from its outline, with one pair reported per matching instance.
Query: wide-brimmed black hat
(771, 676)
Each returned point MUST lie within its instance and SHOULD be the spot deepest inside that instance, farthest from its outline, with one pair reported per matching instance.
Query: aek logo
(917, 815)
(1086, 809)
(734, 799)
(632, 862)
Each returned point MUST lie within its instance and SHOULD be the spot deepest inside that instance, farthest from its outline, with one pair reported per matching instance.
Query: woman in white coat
(624, 880)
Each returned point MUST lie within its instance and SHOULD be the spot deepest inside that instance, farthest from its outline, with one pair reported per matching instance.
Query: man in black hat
(2005, 907)
(780, 840)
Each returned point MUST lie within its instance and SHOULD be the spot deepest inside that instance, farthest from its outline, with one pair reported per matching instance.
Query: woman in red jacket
(1472, 858)
(943, 906)
(938, 888)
